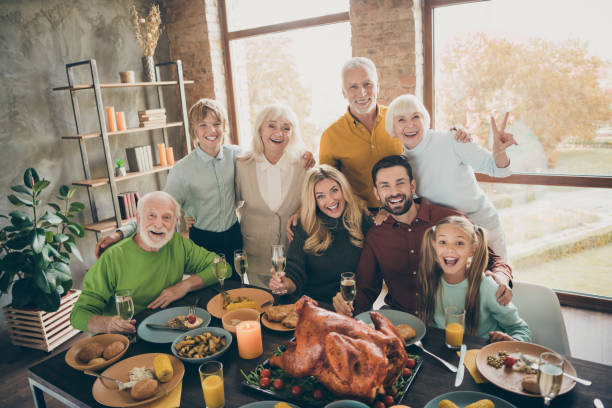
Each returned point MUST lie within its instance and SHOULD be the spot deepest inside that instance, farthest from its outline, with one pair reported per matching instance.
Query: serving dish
(510, 380)
(215, 305)
(238, 314)
(104, 340)
(161, 318)
(215, 331)
(115, 398)
(398, 317)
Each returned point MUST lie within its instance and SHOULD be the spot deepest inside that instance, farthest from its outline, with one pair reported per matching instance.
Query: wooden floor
(590, 337)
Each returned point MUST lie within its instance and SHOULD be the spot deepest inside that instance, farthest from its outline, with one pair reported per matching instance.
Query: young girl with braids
(451, 273)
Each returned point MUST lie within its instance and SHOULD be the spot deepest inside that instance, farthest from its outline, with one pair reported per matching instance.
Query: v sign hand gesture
(501, 141)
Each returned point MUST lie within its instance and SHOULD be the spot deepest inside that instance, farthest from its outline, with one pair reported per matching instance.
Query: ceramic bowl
(72, 356)
(215, 331)
(231, 319)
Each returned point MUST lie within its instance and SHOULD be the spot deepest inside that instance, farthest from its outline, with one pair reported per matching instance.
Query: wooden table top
(432, 380)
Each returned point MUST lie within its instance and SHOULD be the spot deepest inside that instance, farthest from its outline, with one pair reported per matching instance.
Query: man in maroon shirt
(391, 251)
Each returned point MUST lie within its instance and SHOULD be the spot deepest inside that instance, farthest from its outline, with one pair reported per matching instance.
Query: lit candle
(170, 156)
(248, 334)
(161, 150)
(120, 120)
(110, 118)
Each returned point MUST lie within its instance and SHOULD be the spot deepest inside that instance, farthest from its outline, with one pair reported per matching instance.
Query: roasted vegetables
(200, 346)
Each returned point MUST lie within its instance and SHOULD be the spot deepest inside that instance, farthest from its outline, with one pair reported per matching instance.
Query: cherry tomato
(379, 404)
(278, 384)
(191, 319)
(265, 373)
(388, 400)
(264, 382)
(410, 363)
(296, 391)
(509, 361)
(317, 395)
(406, 372)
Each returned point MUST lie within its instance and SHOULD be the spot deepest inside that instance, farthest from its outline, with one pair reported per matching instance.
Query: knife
(460, 367)
(164, 327)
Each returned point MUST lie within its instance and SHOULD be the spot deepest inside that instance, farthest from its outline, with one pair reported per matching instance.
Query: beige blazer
(260, 226)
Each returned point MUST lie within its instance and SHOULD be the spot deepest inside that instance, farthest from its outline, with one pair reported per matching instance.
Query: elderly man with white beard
(150, 264)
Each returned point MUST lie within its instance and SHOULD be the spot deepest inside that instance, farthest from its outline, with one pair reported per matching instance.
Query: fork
(446, 363)
(192, 309)
(120, 384)
(534, 366)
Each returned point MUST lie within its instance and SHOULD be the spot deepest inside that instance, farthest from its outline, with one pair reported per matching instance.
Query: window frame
(567, 298)
(228, 36)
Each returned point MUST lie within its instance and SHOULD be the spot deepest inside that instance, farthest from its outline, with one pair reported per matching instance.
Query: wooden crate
(42, 330)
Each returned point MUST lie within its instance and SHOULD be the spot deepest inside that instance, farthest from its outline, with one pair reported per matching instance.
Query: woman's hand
(292, 222)
(107, 241)
(309, 160)
(277, 281)
(495, 336)
(342, 306)
(501, 141)
(380, 216)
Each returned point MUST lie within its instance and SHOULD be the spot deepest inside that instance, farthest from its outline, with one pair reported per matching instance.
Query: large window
(290, 52)
(555, 77)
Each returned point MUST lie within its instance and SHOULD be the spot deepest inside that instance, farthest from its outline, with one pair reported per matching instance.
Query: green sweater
(126, 266)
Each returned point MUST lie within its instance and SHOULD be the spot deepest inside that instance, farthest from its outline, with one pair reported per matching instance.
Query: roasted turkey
(347, 356)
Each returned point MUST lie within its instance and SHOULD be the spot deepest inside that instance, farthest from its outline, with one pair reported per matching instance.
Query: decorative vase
(120, 171)
(149, 68)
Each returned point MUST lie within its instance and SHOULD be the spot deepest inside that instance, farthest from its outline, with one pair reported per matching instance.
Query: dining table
(74, 389)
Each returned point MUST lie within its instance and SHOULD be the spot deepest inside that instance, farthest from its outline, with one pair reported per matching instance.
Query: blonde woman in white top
(268, 184)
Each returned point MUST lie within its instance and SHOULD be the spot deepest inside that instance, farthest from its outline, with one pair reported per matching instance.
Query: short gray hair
(360, 62)
(405, 105)
(159, 194)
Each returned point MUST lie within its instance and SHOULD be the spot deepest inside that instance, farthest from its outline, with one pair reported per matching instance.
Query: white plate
(398, 317)
(161, 317)
(463, 398)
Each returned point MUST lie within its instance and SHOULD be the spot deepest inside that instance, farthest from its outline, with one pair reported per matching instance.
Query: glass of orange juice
(455, 324)
(211, 377)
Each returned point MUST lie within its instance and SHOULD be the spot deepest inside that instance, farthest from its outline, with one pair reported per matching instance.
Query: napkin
(470, 364)
(172, 400)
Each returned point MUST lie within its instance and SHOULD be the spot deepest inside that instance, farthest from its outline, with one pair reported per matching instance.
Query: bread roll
(144, 389)
(113, 349)
(530, 384)
(96, 361)
(90, 351)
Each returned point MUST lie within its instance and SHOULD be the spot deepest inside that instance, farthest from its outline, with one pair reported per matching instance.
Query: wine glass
(347, 287)
(241, 264)
(220, 269)
(278, 262)
(550, 375)
(125, 306)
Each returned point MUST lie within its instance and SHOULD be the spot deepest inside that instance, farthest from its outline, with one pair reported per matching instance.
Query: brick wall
(389, 32)
(194, 34)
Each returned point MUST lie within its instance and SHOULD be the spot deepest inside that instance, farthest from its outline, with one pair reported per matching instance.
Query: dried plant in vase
(147, 31)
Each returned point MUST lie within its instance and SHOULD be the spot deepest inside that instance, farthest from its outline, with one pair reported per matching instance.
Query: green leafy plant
(35, 248)
(119, 163)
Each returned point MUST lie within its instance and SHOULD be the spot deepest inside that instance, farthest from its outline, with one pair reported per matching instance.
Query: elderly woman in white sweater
(268, 183)
(444, 168)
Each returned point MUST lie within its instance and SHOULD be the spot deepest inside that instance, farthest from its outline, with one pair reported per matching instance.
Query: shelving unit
(102, 226)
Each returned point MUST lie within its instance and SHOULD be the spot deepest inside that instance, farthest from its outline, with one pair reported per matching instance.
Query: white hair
(360, 62)
(158, 194)
(294, 148)
(405, 105)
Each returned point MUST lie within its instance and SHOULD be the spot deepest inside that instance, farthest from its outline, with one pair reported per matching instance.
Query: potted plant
(35, 248)
(120, 169)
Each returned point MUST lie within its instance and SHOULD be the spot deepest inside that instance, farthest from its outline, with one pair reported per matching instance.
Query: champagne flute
(220, 269)
(278, 262)
(125, 307)
(550, 376)
(347, 287)
(241, 264)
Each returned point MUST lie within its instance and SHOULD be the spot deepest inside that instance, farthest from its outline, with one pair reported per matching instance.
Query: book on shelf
(151, 111)
(128, 203)
(152, 124)
(153, 116)
(139, 158)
